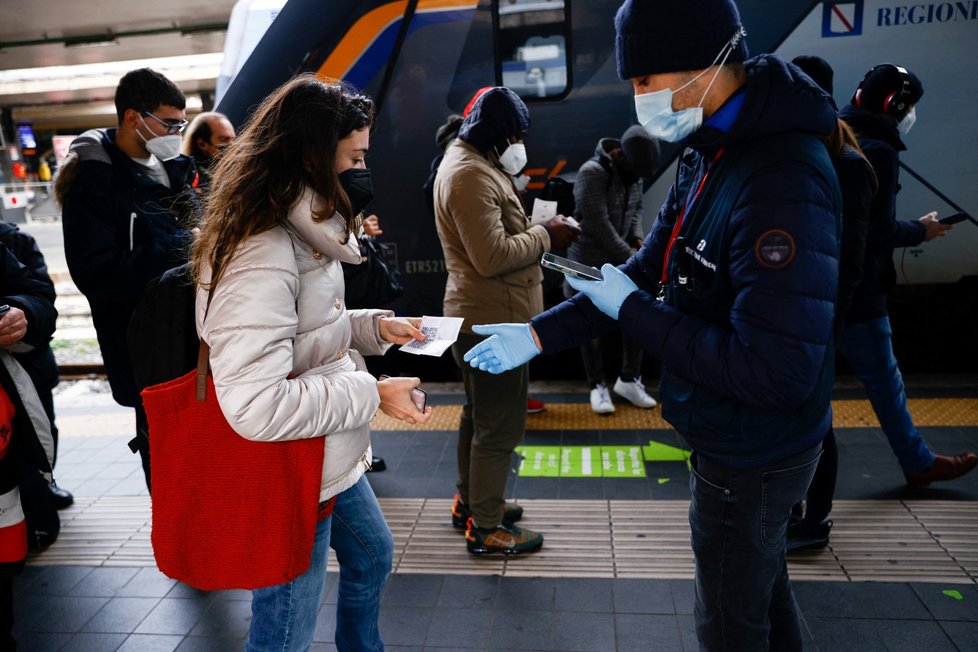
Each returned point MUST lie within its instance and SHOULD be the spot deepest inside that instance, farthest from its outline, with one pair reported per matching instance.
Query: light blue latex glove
(509, 346)
(609, 294)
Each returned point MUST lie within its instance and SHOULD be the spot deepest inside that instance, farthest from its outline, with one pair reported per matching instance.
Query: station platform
(615, 572)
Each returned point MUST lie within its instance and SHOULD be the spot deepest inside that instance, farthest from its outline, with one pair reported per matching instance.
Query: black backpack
(162, 336)
(376, 281)
(561, 190)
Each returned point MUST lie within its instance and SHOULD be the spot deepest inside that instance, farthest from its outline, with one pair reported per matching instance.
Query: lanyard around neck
(682, 216)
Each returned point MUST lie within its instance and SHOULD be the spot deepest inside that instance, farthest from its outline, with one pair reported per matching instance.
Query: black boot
(62, 497)
(377, 465)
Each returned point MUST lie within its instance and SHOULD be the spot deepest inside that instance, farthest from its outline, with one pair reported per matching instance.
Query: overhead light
(25, 81)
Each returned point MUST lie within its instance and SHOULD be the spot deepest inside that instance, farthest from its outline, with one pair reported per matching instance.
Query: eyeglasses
(171, 127)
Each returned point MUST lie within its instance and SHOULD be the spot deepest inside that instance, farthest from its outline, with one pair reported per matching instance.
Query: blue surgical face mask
(654, 110)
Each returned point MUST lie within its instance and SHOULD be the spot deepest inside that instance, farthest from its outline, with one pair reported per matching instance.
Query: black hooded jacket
(121, 230)
(39, 362)
(880, 142)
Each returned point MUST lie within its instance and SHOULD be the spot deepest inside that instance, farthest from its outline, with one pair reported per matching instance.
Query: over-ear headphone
(896, 103)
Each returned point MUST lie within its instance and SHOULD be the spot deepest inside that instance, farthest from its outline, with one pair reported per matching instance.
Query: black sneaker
(377, 465)
(461, 514)
(808, 536)
(507, 539)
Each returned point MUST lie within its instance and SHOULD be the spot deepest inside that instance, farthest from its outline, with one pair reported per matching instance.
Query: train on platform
(422, 60)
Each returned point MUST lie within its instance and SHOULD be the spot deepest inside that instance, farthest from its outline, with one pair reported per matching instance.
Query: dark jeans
(592, 353)
(47, 402)
(739, 519)
(818, 500)
(868, 348)
(492, 425)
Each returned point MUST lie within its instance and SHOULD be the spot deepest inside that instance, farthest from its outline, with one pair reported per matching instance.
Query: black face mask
(359, 188)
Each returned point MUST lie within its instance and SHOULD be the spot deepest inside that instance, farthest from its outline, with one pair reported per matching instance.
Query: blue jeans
(868, 348)
(738, 520)
(284, 616)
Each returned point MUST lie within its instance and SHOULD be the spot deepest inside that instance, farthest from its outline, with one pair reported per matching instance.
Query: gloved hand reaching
(607, 295)
(509, 346)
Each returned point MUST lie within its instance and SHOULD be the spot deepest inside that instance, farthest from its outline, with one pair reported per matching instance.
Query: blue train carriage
(423, 59)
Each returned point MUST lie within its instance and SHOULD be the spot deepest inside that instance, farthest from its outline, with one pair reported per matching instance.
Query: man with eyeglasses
(128, 208)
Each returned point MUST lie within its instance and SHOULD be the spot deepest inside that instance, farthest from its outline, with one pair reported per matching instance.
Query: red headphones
(896, 103)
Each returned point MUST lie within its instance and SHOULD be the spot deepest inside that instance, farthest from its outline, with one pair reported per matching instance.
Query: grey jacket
(610, 212)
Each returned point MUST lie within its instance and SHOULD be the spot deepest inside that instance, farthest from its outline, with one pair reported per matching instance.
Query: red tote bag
(228, 512)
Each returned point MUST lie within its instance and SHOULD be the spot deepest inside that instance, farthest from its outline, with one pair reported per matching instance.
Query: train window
(531, 47)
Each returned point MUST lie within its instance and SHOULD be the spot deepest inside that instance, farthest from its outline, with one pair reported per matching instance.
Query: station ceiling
(41, 34)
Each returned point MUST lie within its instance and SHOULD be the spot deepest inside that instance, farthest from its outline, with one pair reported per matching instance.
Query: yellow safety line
(578, 416)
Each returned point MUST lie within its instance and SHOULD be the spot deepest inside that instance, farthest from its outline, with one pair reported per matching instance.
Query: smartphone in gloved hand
(570, 267)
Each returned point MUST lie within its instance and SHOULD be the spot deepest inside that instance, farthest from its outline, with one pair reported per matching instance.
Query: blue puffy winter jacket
(744, 324)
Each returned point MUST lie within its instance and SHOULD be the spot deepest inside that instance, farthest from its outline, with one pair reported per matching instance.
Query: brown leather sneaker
(945, 467)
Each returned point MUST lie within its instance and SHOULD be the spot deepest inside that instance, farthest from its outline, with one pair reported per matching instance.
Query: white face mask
(513, 159)
(654, 110)
(164, 148)
(908, 121)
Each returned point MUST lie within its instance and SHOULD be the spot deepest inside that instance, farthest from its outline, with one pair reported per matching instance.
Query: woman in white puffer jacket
(285, 352)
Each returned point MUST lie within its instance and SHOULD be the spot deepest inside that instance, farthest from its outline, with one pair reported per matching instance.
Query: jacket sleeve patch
(775, 249)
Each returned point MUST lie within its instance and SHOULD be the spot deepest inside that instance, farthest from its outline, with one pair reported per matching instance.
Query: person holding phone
(881, 112)
(733, 290)
(492, 254)
(285, 352)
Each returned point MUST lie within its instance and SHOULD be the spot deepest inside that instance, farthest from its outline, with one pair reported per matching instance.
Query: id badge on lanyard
(682, 276)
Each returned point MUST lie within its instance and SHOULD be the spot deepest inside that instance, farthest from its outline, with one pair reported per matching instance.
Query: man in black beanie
(733, 290)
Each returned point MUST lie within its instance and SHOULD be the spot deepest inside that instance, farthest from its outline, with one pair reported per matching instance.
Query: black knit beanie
(817, 69)
(641, 151)
(660, 36)
(881, 84)
(497, 115)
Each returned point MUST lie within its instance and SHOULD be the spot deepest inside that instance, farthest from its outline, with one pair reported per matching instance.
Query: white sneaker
(634, 392)
(601, 400)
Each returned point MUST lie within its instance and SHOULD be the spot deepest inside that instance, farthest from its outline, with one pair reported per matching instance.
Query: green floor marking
(656, 452)
(580, 462)
(951, 593)
(539, 461)
(622, 462)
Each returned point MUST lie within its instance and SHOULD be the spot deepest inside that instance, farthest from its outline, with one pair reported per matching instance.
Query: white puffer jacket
(280, 342)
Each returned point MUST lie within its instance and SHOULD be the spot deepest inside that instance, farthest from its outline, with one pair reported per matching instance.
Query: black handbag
(373, 283)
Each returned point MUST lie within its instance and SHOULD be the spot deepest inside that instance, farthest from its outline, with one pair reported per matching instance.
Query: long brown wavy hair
(843, 138)
(288, 144)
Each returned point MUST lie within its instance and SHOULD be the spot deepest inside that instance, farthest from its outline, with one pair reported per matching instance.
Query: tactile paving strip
(885, 541)
(579, 416)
